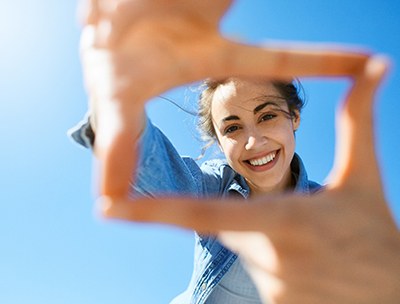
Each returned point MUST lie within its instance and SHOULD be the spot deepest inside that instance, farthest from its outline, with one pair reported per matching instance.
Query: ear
(296, 120)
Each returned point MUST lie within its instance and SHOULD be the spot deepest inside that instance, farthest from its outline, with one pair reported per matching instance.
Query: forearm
(160, 169)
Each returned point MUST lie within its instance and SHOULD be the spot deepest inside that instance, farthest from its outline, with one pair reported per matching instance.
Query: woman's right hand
(132, 51)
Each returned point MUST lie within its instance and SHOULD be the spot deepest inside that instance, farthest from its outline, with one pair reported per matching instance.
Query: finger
(117, 130)
(209, 215)
(188, 213)
(88, 12)
(117, 162)
(125, 14)
(355, 158)
(95, 14)
(117, 121)
(288, 61)
(365, 87)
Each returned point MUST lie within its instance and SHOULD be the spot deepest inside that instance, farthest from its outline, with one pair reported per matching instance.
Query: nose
(255, 140)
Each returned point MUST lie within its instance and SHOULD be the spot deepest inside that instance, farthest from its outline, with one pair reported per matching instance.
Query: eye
(231, 129)
(267, 116)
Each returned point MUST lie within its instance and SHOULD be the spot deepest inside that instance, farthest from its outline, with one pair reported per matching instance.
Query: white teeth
(264, 160)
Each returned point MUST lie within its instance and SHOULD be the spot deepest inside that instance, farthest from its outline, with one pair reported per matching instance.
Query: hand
(135, 50)
(338, 246)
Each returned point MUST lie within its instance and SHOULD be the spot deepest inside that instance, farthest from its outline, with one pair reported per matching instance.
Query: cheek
(230, 148)
(284, 134)
(289, 139)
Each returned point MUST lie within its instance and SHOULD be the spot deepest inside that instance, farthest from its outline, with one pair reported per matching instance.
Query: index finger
(88, 12)
(118, 125)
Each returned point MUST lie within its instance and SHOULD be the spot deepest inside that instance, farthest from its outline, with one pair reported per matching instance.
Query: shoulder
(303, 184)
(218, 167)
(219, 177)
(314, 187)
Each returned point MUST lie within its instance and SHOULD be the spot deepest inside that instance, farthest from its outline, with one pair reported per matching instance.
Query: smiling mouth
(263, 160)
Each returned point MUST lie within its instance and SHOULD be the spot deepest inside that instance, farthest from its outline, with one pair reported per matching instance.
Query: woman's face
(255, 132)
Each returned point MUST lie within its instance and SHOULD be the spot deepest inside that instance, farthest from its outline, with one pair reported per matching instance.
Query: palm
(326, 249)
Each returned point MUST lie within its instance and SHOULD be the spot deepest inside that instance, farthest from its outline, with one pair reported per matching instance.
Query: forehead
(237, 96)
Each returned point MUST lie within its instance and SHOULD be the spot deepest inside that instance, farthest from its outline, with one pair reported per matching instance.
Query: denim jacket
(162, 171)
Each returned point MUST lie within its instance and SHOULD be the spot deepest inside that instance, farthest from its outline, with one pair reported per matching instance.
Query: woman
(254, 123)
(254, 129)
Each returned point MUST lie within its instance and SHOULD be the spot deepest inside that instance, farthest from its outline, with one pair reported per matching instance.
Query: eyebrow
(263, 105)
(255, 111)
(231, 117)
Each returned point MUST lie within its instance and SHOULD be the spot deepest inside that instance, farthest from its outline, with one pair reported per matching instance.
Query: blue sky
(53, 247)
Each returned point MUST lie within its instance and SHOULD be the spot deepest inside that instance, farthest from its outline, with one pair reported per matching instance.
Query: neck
(287, 183)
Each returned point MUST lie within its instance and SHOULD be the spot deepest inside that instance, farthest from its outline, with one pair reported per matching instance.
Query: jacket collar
(239, 184)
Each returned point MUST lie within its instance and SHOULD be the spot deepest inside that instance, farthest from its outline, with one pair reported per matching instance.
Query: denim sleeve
(162, 171)
(83, 133)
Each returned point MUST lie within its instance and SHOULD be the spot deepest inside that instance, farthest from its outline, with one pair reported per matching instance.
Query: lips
(263, 163)
(263, 160)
